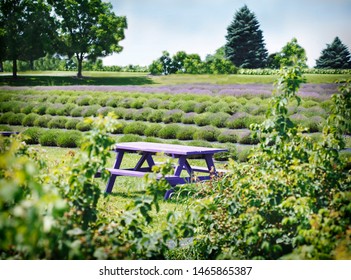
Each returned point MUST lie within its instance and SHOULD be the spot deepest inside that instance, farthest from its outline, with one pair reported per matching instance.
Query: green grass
(125, 190)
(59, 78)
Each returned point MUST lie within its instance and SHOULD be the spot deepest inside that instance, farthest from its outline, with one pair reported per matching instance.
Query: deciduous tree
(88, 29)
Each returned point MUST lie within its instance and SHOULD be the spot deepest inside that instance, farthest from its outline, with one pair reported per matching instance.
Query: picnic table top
(166, 148)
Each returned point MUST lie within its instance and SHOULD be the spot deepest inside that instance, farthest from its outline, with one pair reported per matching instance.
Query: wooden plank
(166, 148)
(126, 172)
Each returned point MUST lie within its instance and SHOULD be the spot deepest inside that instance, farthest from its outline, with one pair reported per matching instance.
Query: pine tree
(335, 56)
(245, 46)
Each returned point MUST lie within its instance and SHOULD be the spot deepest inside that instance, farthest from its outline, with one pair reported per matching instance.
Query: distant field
(57, 78)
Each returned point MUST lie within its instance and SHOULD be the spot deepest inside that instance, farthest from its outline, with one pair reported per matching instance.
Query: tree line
(83, 29)
(70, 35)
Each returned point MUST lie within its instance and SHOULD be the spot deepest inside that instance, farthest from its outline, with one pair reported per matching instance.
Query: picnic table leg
(182, 164)
(112, 179)
(210, 164)
(145, 157)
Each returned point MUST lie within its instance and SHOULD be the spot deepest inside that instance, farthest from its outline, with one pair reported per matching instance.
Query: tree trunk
(80, 65)
(14, 68)
(31, 64)
(1, 66)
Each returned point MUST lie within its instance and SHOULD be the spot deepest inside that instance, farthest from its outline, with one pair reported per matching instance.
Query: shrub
(248, 138)
(203, 119)
(152, 103)
(57, 122)
(129, 113)
(208, 133)
(27, 108)
(173, 116)
(69, 139)
(130, 138)
(77, 112)
(40, 108)
(126, 102)
(153, 130)
(219, 119)
(142, 114)
(49, 137)
(156, 116)
(66, 109)
(119, 127)
(219, 107)
(238, 120)
(43, 121)
(5, 128)
(120, 112)
(135, 128)
(105, 110)
(91, 110)
(202, 106)
(83, 126)
(230, 154)
(84, 100)
(188, 118)
(30, 119)
(11, 106)
(32, 135)
(169, 131)
(186, 133)
(244, 153)
(138, 103)
(4, 118)
(188, 106)
(72, 123)
(228, 136)
(16, 119)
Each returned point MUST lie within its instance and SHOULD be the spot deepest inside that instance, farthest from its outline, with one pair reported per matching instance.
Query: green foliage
(290, 54)
(32, 135)
(89, 34)
(69, 139)
(245, 46)
(334, 56)
(292, 199)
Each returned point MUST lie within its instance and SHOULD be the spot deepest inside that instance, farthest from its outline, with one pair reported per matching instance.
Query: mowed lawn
(61, 78)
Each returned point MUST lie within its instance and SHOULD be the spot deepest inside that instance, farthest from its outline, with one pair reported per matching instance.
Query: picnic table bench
(147, 152)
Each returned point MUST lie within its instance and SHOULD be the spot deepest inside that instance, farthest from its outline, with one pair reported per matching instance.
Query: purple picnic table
(148, 150)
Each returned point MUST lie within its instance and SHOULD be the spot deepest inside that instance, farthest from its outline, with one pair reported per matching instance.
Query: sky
(200, 26)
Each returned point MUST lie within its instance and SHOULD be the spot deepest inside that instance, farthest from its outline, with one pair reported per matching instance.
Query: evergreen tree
(335, 56)
(245, 46)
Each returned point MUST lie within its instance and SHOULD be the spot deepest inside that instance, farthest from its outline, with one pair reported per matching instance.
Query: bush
(57, 122)
(135, 128)
(156, 116)
(219, 107)
(119, 127)
(43, 121)
(16, 119)
(202, 106)
(5, 128)
(208, 133)
(49, 137)
(76, 112)
(142, 114)
(203, 119)
(169, 131)
(153, 130)
(219, 119)
(69, 139)
(189, 118)
(238, 120)
(30, 119)
(32, 135)
(83, 126)
(72, 123)
(130, 138)
(230, 154)
(173, 116)
(84, 100)
(152, 103)
(27, 108)
(186, 133)
(91, 110)
(228, 136)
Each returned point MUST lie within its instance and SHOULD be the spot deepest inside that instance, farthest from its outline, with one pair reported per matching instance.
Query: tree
(245, 46)
(335, 56)
(88, 29)
(20, 40)
(291, 53)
